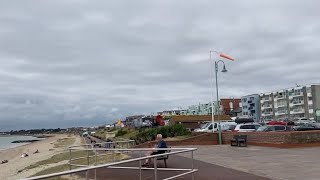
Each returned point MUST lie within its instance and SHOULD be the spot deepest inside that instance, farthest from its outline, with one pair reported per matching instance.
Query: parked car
(276, 123)
(243, 120)
(306, 127)
(229, 127)
(305, 120)
(251, 127)
(274, 128)
(208, 127)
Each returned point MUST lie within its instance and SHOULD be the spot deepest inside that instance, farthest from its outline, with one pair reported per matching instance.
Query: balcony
(310, 111)
(296, 94)
(268, 106)
(296, 103)
(267, 99)
(268, 113)
(281, 105)
(297, 111)
(309, 94)
(282, 112)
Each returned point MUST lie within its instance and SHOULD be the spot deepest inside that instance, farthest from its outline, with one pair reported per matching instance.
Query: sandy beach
(16, 163)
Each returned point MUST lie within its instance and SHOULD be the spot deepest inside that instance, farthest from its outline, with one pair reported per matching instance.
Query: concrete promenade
(207, 171)
(226, 162)
(275, 163)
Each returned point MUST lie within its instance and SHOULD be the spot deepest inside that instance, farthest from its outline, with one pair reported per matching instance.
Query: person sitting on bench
(161, 144)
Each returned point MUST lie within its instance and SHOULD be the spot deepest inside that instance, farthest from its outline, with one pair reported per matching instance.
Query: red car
(276, 123)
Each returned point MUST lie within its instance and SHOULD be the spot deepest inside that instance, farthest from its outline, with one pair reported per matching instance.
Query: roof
(198, 118)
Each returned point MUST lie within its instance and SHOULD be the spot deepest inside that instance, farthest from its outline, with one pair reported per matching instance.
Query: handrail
(181, 150)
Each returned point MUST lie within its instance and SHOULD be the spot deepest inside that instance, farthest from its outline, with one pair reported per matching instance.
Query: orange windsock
(226, 56)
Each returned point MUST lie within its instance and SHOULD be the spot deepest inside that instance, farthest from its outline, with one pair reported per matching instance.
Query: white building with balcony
(291, 103)
(201, 109)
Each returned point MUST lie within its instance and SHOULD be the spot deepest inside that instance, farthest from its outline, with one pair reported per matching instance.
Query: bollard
(155, 168)
(140, 173)
(192, 165)
(95, 163)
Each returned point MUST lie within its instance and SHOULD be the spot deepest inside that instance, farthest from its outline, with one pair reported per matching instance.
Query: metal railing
(98, 152)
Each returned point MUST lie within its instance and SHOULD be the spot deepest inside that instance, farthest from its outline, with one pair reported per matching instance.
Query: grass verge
(65, 142)
(58, 158)
(65, 167)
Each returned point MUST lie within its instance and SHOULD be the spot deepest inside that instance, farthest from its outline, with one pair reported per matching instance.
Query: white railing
(297, 94)
(114, 165)
(268, 113)
(296, 111)
(280, 97)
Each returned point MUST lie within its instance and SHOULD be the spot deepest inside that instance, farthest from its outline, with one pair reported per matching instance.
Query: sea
(5, 141)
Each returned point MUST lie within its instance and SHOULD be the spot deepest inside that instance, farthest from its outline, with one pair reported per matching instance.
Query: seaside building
(202, 109)
(291, 103)
(251, 107)
(226, 106)
(171, 112)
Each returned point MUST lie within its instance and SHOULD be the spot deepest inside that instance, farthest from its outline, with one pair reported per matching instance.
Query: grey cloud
(73, 63)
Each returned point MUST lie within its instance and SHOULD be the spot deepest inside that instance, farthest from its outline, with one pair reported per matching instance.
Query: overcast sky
(72, 63)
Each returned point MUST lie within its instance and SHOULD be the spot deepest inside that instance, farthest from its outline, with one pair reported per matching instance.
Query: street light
(224, 70)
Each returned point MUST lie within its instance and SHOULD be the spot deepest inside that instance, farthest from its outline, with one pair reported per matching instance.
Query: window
(308, 89)
(279, 128)
(257, 126)
(247, 126)
(310, 98)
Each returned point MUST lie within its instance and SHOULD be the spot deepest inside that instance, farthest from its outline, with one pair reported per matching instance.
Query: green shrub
(167, 131)
(121, 132)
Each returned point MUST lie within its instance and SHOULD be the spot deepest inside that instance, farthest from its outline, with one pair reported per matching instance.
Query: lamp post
(216, 68)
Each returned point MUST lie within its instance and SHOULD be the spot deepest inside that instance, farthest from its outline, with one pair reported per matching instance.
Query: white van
(208, 126)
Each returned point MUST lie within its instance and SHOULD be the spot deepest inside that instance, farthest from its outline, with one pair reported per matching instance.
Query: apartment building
(267, 106)
(291, 103)
(251, 107)
(201, 109)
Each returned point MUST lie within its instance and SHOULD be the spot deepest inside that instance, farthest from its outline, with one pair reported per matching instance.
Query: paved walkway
(206, 171)
(275, 163)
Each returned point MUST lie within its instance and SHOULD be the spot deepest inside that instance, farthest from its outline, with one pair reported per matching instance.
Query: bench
(164, 158)
(239, 140)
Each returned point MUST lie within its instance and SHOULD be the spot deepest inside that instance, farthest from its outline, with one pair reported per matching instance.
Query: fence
(112, 151)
